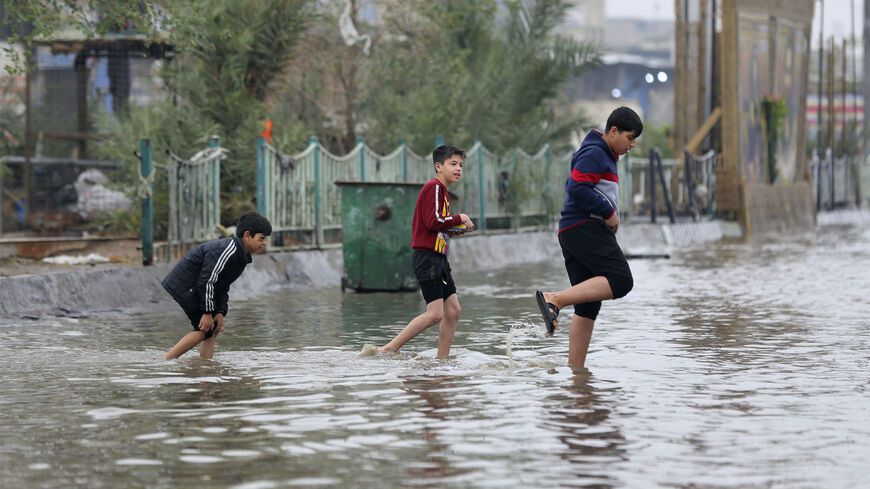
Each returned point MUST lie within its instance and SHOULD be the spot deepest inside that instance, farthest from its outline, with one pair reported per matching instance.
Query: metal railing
(837, 182)
(194, 200)
(299, 196)
(508, 192)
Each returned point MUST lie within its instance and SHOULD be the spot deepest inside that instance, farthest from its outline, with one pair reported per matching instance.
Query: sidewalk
(120, 252)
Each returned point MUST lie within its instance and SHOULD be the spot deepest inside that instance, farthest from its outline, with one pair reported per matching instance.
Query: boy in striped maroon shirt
(430, 232)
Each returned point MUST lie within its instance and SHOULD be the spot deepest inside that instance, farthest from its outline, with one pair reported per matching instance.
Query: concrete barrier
(80, 293)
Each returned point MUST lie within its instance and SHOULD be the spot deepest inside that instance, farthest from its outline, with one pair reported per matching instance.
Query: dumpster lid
(359, 183)
(373, 184)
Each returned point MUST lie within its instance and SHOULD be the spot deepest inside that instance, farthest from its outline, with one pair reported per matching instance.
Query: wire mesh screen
(52, 181)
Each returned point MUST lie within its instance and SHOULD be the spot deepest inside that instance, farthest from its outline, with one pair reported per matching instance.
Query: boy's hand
(613, 222)
(467, 221)
(219, 320)
(206, 323)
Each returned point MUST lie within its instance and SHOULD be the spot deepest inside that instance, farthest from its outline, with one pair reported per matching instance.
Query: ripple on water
(717, 370)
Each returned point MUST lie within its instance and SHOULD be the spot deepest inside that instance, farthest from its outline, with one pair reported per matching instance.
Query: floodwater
(728, 366)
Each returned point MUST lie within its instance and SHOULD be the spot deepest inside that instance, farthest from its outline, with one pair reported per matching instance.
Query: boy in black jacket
(200, 282)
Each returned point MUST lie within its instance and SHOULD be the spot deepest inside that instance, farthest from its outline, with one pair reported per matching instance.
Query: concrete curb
(79, 293)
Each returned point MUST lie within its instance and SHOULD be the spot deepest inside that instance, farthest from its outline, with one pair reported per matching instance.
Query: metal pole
(515, 220)
(215, 142)
(318, 221)
(690, 186)
(28, 169)
(261, 177)
(829, 154)
(362, 158)
(831, 115)
(549, 155)
(866, 79)
(481, 186)
(439, 140)
(843, 112)
(404, 160)
(1, 200)
(651, 175)
(666, 193)
(146, 168)
(819, 150)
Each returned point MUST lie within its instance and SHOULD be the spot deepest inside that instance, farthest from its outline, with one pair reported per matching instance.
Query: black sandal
(549, 312)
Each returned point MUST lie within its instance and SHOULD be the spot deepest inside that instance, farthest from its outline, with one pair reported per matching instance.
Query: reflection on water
(730, 365)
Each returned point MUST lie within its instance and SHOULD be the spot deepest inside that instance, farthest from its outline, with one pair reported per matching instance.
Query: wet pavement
(729, 366)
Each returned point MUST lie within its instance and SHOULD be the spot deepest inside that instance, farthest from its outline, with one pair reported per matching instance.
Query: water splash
(368, 350)
(520, 329)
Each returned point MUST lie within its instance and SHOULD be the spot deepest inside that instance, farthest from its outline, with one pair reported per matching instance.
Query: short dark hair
(443, 152)
(624, 119)
(253, 222)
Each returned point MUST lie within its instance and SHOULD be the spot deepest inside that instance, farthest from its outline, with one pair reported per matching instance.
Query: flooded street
(727, 366)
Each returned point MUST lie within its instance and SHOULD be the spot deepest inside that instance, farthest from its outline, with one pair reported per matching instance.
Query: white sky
(838, 15)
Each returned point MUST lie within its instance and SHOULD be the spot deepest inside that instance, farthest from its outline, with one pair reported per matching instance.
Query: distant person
(596, 265)
(200, 282)
(431, 229)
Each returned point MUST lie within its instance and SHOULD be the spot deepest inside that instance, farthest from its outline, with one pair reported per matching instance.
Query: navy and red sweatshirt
(592, 188)
(431, 218)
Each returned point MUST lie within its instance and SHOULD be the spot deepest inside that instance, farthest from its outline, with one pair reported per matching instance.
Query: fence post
(362, 158)
(481, 186)
(690, 186)
(1, 199)
(404, 160)
(515, 219)
(665, 192)
(318, 221)
(145, 173)
(548, 154)
(829, 155)
(261, 177)
(817, 174)
(215, 142)
(651, 175)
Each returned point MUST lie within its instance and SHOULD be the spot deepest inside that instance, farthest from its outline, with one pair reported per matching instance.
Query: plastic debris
(76, 260)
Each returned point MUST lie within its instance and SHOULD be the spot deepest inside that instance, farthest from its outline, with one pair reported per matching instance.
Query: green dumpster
(376, 235)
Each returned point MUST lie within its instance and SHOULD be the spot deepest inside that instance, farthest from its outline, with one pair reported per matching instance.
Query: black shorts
(433, 274)
(590, 250)
(192, 308)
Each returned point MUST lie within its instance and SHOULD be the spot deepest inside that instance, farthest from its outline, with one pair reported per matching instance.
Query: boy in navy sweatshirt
(200, 282)
(431, 229)
(595, 263)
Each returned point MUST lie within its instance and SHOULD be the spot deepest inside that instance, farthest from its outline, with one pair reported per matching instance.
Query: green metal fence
(499, 192)
(194, 200)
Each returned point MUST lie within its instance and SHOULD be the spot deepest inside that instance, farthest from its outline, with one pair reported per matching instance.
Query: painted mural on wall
(791, 44)
(769, 72)
(753, 41)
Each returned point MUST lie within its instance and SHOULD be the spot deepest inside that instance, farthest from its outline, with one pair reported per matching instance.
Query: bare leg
(206, 349)
(184, 345)
(593, 290)
(579, 337)
(448, 325)
(434, 313)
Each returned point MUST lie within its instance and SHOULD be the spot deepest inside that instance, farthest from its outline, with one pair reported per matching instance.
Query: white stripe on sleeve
(218, 268)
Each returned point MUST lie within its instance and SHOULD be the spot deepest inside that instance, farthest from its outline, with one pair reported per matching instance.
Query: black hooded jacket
(208, 269)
